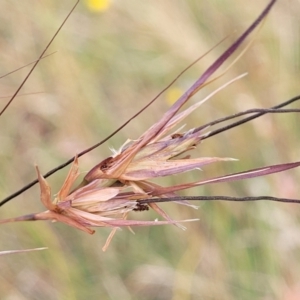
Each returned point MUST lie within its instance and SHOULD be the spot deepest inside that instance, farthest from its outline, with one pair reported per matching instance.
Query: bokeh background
(112, 58)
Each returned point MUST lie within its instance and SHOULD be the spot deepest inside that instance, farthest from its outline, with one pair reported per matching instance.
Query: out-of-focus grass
(108, 65)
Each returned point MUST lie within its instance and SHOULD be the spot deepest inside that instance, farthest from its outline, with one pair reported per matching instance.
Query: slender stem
(273, 109)
(218, 198)
(38, 60)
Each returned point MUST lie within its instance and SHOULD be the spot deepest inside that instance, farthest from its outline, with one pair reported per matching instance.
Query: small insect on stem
(141, 207)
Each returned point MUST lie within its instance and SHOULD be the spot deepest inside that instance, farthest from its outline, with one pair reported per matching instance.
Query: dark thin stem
(218, 198)
(273, 109)
(38, 60)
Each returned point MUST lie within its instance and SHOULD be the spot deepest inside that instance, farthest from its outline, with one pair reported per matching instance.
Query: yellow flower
(173, 94)
(98, 5)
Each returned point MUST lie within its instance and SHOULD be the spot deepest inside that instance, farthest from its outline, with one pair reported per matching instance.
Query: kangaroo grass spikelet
(121, 184)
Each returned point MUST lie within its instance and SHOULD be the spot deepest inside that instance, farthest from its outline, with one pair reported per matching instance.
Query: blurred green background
(111, 60)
